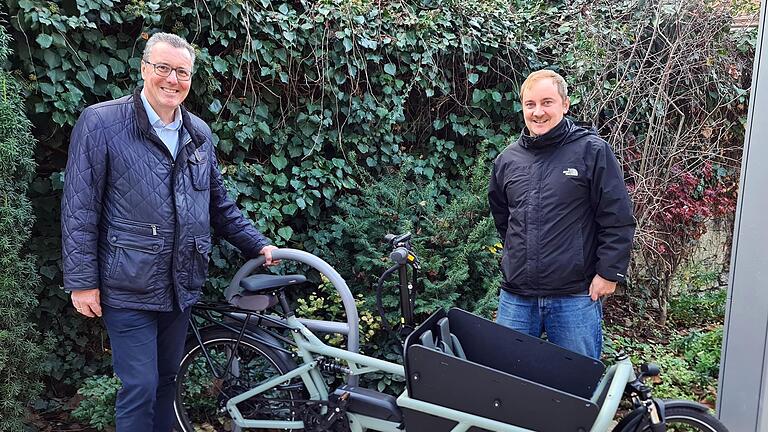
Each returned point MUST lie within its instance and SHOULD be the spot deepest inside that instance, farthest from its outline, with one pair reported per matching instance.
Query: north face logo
(571, 172)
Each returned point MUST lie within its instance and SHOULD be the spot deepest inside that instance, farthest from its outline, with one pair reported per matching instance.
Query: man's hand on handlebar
(267, 252)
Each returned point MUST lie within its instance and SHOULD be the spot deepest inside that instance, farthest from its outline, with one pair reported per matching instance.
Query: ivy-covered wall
(337, 121)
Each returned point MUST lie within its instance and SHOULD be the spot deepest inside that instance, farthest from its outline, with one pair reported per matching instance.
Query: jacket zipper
(176, 215)
(143, 225)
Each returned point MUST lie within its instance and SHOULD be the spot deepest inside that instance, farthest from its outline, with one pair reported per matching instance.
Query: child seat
(461, 361)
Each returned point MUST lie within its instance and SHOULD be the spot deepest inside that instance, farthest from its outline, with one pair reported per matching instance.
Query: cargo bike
(252, 364)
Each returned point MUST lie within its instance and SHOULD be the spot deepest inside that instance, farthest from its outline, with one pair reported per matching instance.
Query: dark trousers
(146, 351)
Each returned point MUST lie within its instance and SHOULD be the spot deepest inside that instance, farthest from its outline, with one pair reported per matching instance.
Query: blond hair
(557, 79)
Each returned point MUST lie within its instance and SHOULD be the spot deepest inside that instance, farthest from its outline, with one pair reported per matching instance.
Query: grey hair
(170, 39)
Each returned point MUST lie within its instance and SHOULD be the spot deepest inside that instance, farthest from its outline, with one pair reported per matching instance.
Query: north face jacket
(135, 222)
(562, 210)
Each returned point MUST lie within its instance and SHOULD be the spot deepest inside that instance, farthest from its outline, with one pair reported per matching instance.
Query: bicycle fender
(267, 339)
(257, 334)
(672, 403)
(634, 419)
(631, 421)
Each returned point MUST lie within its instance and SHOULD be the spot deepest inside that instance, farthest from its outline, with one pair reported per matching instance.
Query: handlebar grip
(650, 369)
(399, 255)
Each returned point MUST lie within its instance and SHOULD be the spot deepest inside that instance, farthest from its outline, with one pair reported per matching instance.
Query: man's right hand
(87, 302)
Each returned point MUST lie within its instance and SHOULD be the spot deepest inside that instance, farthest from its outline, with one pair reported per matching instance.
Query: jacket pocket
(133, 260)
(202, 255)
(562, 260)
(515, 258)
(200, 170)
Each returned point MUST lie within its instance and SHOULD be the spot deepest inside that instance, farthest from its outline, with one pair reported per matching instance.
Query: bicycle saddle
(263, 283)
(256, 292)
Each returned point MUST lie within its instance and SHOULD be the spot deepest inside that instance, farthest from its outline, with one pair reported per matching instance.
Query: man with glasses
(141, 193)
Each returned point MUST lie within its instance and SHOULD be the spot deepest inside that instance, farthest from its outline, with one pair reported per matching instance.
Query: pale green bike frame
(607, 395)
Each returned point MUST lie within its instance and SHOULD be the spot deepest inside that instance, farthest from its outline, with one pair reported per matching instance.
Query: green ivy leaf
(44, 40)
(220, 65)
(290, 209)
(472, 78)
(477, 95)
(59, 118)
(101, 70)
(285, 232)
(264, 128)
(52, 58)
(86, 78)
(367, 43)
(215, 106)
(57, 75)
(278, 162)
(48, 89)
(390, 69)
(117, 66)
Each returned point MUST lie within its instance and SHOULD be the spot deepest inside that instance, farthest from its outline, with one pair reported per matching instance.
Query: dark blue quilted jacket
(137, 224)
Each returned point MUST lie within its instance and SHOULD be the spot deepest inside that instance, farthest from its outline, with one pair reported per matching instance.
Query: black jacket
(562, 210)
(135, 222)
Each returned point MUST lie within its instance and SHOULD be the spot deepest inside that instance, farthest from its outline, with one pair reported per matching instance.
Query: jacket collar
(146, 128)
(554, 138)
(154, 118)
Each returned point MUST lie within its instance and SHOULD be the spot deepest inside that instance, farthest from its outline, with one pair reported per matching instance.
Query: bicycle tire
(679, 419)
(200, 397)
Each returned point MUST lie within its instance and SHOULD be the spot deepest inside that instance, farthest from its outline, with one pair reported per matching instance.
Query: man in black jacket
(141, 193)
(558, 198)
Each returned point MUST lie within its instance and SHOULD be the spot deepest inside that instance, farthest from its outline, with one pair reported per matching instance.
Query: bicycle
(248, 366)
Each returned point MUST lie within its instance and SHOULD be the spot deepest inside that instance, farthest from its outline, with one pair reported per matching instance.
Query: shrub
(696, 309)
(701, 349)
(673, 93)
(21, 348)
(97, 408)
(453, 235)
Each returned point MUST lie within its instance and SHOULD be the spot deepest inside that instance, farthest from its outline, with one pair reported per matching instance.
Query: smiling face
(543, 107)
(165, 94)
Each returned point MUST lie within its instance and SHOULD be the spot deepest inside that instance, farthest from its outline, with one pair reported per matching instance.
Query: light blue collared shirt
(168, 133)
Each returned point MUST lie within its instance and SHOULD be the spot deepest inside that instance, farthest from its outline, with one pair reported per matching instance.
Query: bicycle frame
(308, 348)
(610, 390)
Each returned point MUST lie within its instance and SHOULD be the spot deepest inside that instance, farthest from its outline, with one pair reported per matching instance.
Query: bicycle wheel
(680, 419)
(201, 398)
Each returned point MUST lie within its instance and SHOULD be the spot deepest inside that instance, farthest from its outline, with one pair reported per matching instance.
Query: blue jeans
(146, 351)
(573, 321)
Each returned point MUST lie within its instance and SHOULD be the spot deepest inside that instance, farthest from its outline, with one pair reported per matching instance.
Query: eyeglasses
(164, 70)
